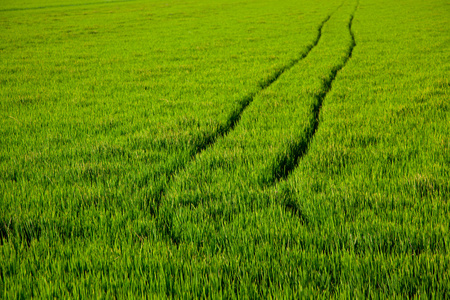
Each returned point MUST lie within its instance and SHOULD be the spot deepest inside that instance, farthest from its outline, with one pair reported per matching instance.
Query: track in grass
(120, 161)
(299, 150)
(368, 211)
(210, 189)
(236, 115)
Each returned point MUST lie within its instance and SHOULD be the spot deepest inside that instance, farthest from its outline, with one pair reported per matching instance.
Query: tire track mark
(232, 121)
(296, 151)
(236, 115)
(151, 203)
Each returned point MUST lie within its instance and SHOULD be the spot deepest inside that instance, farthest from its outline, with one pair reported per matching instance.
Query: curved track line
(235, 116)
(299, 150)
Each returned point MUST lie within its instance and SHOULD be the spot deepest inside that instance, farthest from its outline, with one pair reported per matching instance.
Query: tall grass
(224, 149)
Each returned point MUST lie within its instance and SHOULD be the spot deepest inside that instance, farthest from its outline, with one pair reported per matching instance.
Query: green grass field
(224, 149)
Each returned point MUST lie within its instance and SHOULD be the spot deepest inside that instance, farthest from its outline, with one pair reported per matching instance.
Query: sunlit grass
(224, 149)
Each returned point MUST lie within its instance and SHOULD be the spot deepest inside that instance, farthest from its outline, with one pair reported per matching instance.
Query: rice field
(224, 149)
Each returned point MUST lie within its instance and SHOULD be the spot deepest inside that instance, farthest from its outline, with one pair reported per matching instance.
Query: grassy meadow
(224, 149)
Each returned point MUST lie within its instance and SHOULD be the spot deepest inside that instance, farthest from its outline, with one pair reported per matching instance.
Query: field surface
(224, 149)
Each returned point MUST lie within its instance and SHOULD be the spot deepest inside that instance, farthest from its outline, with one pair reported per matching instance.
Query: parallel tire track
(151, 203)
(290, 161)
(234, 117)
(165, 218)
(288, 200)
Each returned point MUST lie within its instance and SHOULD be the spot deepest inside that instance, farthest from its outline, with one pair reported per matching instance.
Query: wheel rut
(164, 214)
(235, 116)
(290, 161)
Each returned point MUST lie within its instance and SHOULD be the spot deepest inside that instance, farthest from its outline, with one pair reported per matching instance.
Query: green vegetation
(224, 149)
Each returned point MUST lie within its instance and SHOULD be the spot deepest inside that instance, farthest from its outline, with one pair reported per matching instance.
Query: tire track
(296, 151)
(168, 223)
(164, 214)
(236, 115)
(151, 203)
(233, 119)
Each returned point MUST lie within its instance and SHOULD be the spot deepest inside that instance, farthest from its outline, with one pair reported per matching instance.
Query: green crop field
(224, 149)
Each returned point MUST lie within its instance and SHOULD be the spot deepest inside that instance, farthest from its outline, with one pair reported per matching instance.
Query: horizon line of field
(64, 5)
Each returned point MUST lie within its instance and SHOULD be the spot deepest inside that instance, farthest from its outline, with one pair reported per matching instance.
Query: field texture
(224, 149)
